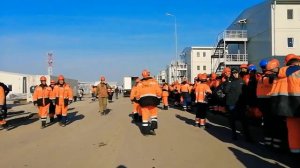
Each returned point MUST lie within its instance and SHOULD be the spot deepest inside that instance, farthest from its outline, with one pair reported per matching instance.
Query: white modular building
(269, 29)
(198, 60)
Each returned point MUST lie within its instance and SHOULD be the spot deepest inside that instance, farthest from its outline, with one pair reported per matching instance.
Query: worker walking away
(136, 112)
(63, 95)
(41, 99)
(165, 96)
(52, 103)
(202, 91)
(149, 94)
(6, 91)
(117, 90)
(185, 91)
(102, 93)
(236, 104)
(176, 92)
(110, 92)
(3, 123)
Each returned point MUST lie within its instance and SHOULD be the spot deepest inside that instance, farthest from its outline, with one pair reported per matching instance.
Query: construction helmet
(263, 63)
(252, 67)
(199, 76)
(203, 77)
(145, 74)
(52, 82)
(43, 78)
(272, 64)
(213, 76)
(289, 57)
(61, 77)
(244, 66)
(102, 78)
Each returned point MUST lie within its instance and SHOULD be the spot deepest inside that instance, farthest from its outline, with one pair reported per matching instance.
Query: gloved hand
(35, 103)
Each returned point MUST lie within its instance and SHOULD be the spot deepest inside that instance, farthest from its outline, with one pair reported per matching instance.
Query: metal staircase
(222, 58)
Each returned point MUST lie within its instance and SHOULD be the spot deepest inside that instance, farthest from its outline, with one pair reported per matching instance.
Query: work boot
(59, 118)
(51, 119)
(152, 132)
(135, 117)
(43, 125)
(140, 119)
(145, 129)
(154, 125)
(63, 121)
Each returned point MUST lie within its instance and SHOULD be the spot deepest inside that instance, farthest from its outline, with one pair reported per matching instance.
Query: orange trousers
(149, 112)
(136, 108)
(61, 110)
(43, 111)
(165, 101)
(293, 126)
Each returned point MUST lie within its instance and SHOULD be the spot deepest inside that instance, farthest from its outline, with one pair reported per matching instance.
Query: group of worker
(271, 96)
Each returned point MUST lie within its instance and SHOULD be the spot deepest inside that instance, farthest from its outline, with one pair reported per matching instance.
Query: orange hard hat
(272, 64)
(102, 78)
(61, 77)
(199, 75)
(43, 78)
(203, 76)
(52, 82)
(213, 76)
(290, 57)
(244, 66)
(226, 70)
(145, 73)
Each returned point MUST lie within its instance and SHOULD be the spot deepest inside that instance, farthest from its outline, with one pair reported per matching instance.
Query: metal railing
(233, 34)
(236, 57)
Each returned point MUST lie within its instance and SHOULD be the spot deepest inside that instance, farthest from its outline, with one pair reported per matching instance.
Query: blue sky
(114, 38)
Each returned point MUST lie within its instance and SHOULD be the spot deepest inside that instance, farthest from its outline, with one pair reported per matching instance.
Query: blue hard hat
(263, 63)
(252, 68)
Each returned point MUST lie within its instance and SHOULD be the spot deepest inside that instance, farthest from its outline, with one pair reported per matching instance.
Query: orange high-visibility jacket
(185, 88)
(286, 92)
(61, 94)
(201, 91)
(264, 87)
(134, 93)
(149, 92)
(214, 83)
(165, 90)
(2, 96)
(42, 95)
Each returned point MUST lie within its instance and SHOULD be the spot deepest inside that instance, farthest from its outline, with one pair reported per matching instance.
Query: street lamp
(176, 43)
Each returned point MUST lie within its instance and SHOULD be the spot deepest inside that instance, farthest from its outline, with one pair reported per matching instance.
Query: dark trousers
(238, 113)
(201, 109)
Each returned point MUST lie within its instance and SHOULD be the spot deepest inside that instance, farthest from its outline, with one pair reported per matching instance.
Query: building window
(198, 54)
(198, 68)
(204, 68)
(290, 14)
(204, 54)
(290, 42)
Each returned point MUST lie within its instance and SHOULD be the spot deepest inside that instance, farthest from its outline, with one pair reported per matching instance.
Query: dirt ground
(112, 141)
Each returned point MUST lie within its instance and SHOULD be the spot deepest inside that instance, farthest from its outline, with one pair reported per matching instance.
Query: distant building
(269, 29)
(161, 77)
(176, 71)
(198, 60)
(22, 85)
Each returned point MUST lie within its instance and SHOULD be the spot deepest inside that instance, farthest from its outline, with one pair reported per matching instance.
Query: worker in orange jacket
(165, 96)
(52, 104)
(290, 109)
(185, 91)
(2, 107)
(201, 91)
(63, 95)
(149, 94)
(263, 93)
(176, 92)
(41, 98)
(136, 112)
(244, 73)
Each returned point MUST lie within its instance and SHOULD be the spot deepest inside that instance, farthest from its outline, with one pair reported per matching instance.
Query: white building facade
(198, 60)
(273, 29)
(161, 77)
(176, 71)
